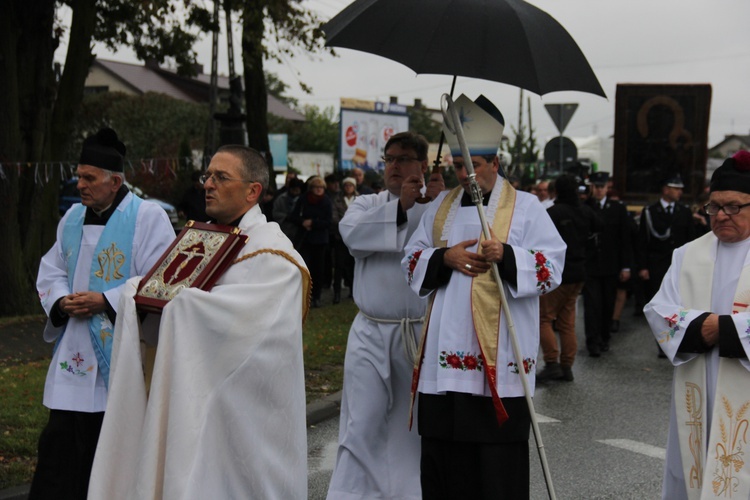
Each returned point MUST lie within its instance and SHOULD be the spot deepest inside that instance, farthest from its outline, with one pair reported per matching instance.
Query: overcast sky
(625, 41)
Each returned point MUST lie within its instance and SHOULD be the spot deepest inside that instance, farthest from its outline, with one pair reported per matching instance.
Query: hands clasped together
(83, 304)
(470, 263)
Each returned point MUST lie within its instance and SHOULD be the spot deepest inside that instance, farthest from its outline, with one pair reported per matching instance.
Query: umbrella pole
(436, 165)
(476, 197)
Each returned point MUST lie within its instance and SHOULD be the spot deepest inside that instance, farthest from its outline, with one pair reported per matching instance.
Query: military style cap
(483, 126)
(673, 181)
(103, 150)
(733, 174)
(599, 178)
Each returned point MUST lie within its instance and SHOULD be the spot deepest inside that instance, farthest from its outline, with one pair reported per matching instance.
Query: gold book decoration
(198, 257)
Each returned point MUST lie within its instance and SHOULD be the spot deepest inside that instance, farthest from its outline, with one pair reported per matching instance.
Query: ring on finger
(468, 267)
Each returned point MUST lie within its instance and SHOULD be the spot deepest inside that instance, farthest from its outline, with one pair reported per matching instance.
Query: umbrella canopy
(507, 41)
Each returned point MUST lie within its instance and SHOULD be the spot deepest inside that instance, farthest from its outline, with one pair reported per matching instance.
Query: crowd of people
(207, 399)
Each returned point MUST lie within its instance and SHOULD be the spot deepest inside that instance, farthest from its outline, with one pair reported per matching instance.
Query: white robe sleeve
(419, 249)
(667, 316)
(539, 251)
(370, 227)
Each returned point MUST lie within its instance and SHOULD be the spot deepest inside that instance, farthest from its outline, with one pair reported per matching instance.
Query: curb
(317, 412)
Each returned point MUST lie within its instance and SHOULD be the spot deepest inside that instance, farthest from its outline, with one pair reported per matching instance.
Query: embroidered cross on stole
(485, 297)
(716, 469)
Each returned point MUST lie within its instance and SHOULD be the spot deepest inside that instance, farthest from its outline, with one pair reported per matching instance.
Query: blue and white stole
(110, 268)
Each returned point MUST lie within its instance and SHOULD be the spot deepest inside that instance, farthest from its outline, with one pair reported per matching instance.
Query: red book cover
(197, 258)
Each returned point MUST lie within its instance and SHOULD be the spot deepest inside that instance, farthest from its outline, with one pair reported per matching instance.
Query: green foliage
(154, 127)
(278, 88)
(319, 132)
(156, 29)
(421, 122)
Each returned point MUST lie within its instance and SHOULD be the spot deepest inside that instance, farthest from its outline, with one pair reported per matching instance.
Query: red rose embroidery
(470, 362)
(453, 360)
(540, 259)
(542, 274)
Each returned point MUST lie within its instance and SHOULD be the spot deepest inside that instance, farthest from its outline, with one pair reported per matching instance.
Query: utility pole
(519, 139)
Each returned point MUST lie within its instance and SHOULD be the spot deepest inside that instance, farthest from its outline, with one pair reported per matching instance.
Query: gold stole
(724, 470)
(485, 296)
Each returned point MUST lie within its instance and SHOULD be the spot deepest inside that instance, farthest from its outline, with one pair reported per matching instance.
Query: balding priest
(224, 414)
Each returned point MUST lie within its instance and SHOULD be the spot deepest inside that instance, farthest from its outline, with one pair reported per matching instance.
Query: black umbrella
(507, 41)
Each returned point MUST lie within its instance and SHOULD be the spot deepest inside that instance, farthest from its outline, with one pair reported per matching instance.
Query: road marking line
(546, 420)
(637, 447)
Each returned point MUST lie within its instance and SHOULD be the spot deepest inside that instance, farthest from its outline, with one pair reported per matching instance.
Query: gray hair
(253, 164)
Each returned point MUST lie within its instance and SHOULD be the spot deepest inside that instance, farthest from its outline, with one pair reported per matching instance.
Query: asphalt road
(604, 434)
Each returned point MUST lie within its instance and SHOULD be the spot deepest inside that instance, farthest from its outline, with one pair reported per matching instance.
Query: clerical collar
(234, 223)
(466, 200)
(100, 219)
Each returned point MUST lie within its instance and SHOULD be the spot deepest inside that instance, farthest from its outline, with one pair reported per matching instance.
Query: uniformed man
(665, 226)
(609, 262)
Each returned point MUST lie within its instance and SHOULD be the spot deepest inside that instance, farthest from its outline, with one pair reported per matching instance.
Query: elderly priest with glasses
(223, 413)
(701, 319)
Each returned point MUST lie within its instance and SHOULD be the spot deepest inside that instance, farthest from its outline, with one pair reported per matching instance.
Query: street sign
(561, 114)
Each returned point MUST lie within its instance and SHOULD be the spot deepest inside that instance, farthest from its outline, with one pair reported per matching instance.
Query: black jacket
(614, 249)
(578, 226)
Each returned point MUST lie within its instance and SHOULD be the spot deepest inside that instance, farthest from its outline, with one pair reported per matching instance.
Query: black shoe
(605, 347)
(614, 327)
(336, 297)
(661, 354)
(551, 371)
(595, 352)
(567, 374)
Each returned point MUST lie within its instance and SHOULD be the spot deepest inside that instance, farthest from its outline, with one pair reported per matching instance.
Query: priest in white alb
(473, 418)
(224, 414)
(701, 320)
(101, 242)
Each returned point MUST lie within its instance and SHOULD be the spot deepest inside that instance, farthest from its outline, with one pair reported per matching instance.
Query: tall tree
(37, 107)
(271, 29)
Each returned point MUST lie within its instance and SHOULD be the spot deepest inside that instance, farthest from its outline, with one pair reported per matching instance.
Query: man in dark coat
(665, 226)
(610, 261)
(578, 225)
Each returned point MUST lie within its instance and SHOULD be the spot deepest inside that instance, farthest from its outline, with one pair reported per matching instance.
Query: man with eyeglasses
(224, 413)
(701, 320)
(472, 417)
(378, 457)
(665, 226)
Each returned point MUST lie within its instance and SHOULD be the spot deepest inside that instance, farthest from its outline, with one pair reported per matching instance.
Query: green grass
(22, 418)
(22, 415)
(325, 334)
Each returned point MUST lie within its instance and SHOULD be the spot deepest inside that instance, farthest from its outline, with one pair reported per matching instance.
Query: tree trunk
(256, 99)
(26, 54)
(36, 131)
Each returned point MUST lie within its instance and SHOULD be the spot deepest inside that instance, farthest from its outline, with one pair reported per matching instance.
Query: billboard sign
(366, 129)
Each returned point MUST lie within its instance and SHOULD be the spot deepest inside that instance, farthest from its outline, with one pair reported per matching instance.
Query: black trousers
(66, 453)
(467, 454)
(598, 304)
(484, 471)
